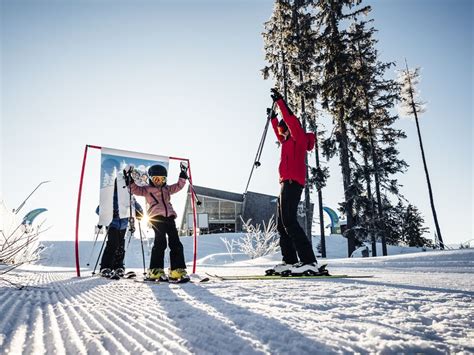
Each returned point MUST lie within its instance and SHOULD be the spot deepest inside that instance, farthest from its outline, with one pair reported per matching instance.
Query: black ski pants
(162, 227)
(114, 251)
(293, 241)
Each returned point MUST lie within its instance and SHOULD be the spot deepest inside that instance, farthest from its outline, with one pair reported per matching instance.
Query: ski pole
(256, 162)
(129, 239)
(195, 195)
(131, 220)
(93, 246)
(100, 252)
(262, 140)
(265, 130)
(143, 251)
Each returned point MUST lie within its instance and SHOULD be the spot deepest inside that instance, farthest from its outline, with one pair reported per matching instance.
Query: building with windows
(222, 211)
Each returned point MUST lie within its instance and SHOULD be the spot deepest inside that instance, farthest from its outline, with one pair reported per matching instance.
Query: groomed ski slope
(416, 303)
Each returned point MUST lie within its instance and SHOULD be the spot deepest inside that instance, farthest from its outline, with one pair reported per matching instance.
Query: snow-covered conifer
(335, 90)
(372, 121)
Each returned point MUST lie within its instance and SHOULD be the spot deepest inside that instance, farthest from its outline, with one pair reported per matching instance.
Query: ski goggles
(158, 180)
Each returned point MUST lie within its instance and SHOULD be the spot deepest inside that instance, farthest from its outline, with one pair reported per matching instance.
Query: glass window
(238, 207)
(227, 210)
(212, 208)
(189, 208)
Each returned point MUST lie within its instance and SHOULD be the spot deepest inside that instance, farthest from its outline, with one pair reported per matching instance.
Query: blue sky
(182, 78)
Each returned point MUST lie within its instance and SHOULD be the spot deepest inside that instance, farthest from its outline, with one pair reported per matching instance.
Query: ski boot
(157, 275)
(117, 274)
(278, 269)
(307, 269)
(130, 275)
(107, 273)
(178, 276)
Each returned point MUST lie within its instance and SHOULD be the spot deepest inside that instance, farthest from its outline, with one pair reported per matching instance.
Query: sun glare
(145, 219)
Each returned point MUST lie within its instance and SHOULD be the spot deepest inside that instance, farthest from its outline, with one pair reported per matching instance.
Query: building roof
(259, 194)
(223, 195)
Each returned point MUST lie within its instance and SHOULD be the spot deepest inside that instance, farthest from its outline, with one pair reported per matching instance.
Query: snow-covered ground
(415, 303)
(61, 253)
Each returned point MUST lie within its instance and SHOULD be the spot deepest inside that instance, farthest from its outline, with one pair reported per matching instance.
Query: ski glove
(127, 174)
(275, 95)
(127, 177)
(128, 169)
(184, 171)
(271, 114)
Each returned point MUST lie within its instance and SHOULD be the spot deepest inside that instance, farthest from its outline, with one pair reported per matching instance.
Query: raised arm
(137, 190)
(174, 188)
(294, 126)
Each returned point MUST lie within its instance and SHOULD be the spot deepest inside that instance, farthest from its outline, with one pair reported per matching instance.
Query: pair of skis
(286, 278)
(196, 279)
(214, 277)
(321, 274)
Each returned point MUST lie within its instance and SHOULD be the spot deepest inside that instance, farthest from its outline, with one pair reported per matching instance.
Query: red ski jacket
(293, 149)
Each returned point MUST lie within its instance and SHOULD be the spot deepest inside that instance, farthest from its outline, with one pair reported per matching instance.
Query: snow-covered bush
(259, 242)
(19, 241)
(229, 245)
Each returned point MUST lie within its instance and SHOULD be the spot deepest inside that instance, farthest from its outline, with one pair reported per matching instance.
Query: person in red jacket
(296, 249)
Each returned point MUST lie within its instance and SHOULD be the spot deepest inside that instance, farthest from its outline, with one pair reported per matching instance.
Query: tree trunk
(285, 85)
(382, 231)
(377, 192)
(433, 209)
(346, 179)
(342, 139)
(320, 199)
(307, 198)
(372, 207)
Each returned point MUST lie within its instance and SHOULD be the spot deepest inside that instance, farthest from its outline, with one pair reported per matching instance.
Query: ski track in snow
(397, 311)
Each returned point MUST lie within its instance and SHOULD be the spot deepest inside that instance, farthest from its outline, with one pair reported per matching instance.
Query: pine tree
(412, 105)
(412, 228)
(289, 45)
(372, 129)
(336, 95)
(277, 45)
(392, 221)
(313, 55)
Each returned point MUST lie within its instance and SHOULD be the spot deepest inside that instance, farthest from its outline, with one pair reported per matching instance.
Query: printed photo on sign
(112, 180)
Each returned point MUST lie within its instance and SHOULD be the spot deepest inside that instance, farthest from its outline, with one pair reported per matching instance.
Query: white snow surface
(415, 303)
